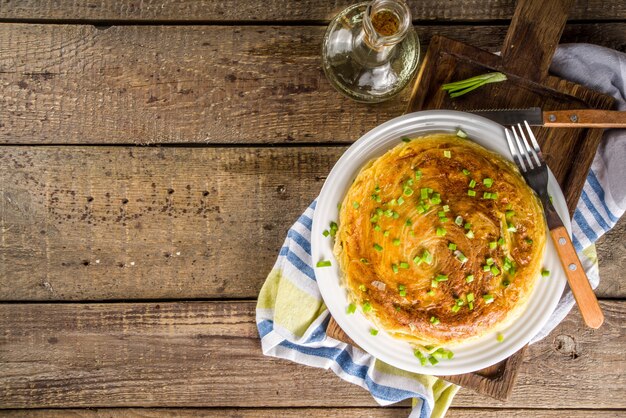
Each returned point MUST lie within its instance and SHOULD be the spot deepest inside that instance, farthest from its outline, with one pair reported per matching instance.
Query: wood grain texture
(98, 223)
(95, 223)
(208, 354)
(586, 300)
(276, 10)
(587, 118)
(372, 412)
(76, 84)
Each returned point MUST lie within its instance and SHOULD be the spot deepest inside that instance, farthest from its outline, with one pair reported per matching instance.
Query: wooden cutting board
(525, 58)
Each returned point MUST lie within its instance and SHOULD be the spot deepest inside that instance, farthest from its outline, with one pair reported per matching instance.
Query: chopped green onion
(509, 214)
(545, 273)
(374, 331)
(508, 263)
(394, 267)
(323, 263)
(470, 306)
(510, 227)
(434, 283)
(427, 257)
(458, 220)
(470, 234)
(447, 154)
(470, 297)
(487, 182)
(377, 188)
(333, 229)
(493, 196)
(493, 245)
(417, 353)
(377, 227)
(460, 302)
(500, 337)
(486, 195)
(397, 308)
(472, 183)
(404, 265)
(471, 193)
(376, 198)
(441, 214)
(351, 308)
(407, 191)
(418, 174)
(469, 278)
(378, 247)
(362, 288)
(402, 293)
(441, 232)
(488, 299)
(433, 360)
(339, 206)
(466, 172)
(443, 220)
(431, 292)
(434, 320)
(405, 139)
(501, 241)
(365, 261)
(459, 132)
(400, 200)
(456, 308)
(490, 261)
(408, 222)
(529, 241)
(409, 182)
(441, 278)
(401, 287)
(396, 242)
(495, 271)
(395, 215)
(379, 211)
(386, 233)
(392, 202)
(461, 257)
(468, 225)
(367, 307)
(506, 282)
(452, 246)
(326, 233)
(486, 267)
(355, 205)
(424, 194)
(420, 209)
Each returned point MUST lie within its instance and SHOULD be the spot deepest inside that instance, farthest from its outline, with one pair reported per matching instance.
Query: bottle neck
(385, 24)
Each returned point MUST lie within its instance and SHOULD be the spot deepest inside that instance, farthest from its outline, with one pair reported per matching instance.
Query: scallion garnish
(441, 214)
(435, 199)
(509, 214)
(373, 331)
(396, 242)
(367, 307)
(466, 172)
(376, 198)
(489, 261)
(486, 267)
(377, 227)
(365, 261)
(472, 183)
(434, 320)
(470, 306)
(470, 234)
(434, 283)
(469, 278)
(501, 241)
(431, 292)
(495, 270)
(418, 174)
(362, 288)
(406, 139)
(461, 257)
(378, 247)
(459, 132)
(447, 154)
(459, 88)
(351, 308)
(456, 308)
(545, 273)
(441, 232)
(377, 188)
(402, 290)
(529, 241)
(355, 205)
(471, 192)
(400, 201)
(404, 265)
(510, 227)
(420, 209)
(417, 353)
(394, 267)
(487, 182)
(374, 219)
(407, 191)
(470, 297)
(458, 220)
(408, 222)
(446, 208)
(395, 215)
(488, 298)
(323, 263)
(333, 228)
(386, 233)
(493, 245)
(486, 195)
(452, 246)
(500, 337)
(424, 194)
(326, 233)
(432, 359)
(441, 278)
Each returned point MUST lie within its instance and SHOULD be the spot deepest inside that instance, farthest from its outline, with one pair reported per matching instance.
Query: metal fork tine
(529, 151)
(514, 151)
(521, 148)
(536, 148)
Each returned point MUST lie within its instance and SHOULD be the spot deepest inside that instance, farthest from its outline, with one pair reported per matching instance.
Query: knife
(575, 118)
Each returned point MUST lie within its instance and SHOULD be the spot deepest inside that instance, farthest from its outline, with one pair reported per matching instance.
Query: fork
(534, 169)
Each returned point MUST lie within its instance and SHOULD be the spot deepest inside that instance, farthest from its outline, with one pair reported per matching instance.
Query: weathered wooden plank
(97, 223)
(207, 354)
(372, 412)
(194, 84)
(276, 10)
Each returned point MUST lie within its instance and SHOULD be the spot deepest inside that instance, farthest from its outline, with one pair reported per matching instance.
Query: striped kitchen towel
(292, 318)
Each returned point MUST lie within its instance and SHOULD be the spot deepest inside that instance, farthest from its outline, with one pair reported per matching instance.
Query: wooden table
(128, 273)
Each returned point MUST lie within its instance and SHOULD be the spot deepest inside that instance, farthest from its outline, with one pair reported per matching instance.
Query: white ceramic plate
(468, 357)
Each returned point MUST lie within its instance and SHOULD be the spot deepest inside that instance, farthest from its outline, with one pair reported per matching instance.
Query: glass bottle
(370, 50)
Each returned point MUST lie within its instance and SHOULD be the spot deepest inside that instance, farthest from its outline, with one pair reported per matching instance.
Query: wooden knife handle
(577, 279)
(584, 118)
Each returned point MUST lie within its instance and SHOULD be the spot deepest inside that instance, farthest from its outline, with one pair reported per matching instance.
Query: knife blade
(575, 118)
